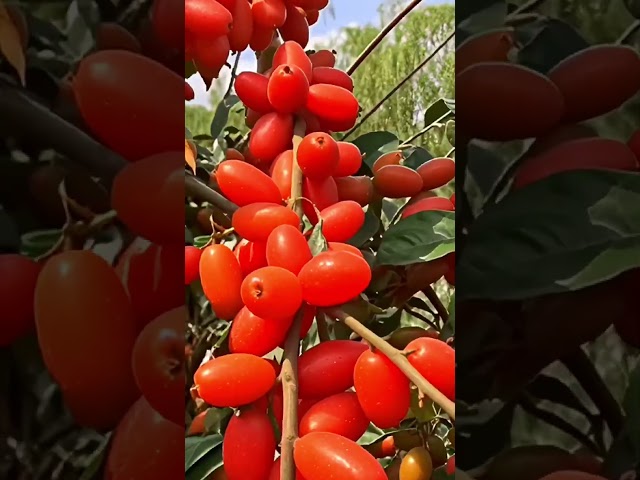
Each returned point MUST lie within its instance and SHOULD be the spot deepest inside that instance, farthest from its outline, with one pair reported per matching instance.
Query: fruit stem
(398, 358)
(195, 188)
(383, 33)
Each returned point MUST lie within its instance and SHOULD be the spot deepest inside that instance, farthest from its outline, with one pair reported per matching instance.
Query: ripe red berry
(272, 292)
(288, 88)
(191, 263)
(318, 155)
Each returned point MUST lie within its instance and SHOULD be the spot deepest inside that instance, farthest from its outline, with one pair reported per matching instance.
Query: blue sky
(347, 12)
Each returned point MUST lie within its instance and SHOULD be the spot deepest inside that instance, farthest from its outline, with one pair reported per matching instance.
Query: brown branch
(296, 175)
(323, 328)
(437, 303)
(631, 29)
(399, 359)
(196, 188)
(383, 33)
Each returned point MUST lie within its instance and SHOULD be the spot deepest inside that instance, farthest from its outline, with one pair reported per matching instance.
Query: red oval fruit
(261, 37)
(436, 362)
(321, 192)
(340, 414)
(332, 76)
(17, 291)
(333, 103)
(318, 155)
(582, 154)
(251, 255)
(280, 172)
(323, 455)
(249, 446)
(144, 433)
(255, 222)
(271, 135)
(158, 364)
(257, 335)
(269, 13)
(243, 183)
(428, 204)
(291, 53)
(251, 89)
(112, 36)
(382, 389)
(288, 248)
(72, 287)
(334, 277)
(295, 28)
(209, 56)
(485, 47)
(189, 94)
(344, 247)
(613, 70)
(505, 101)
(358, 189)
(350, 160)
(115, 98)
(153, 184)
(240, 34)
(272, 292)
(437, 172)
(221, 278)
(342, 221)
(397, 181)
(206, 19)
(234, 380)
(322, 58)
(327, 368)
(390, 158)
(288, 88)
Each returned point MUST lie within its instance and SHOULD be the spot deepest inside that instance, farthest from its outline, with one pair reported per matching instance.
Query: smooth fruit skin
(206, 19)
(295, 28)
(342, 221)
(323, 58)
(581, 154)
(334, 277)
(397, 181)
(340, 414)
(345, 247)
(251, 256)
(255, 222)
(436, 362)
(287, 248)
(332, 103)
(428, 205)
(240, 34)
(17, 291)
(390, 158)
(359, 189)
(209, 56)
(613, 70)
(321, 192)
(437, 172)
(504, 101)
(416, 465)
(272, 292)
(288, 88)
(271, 135)
(350, 160)
(484, 47)
(249, 446)
(144, 433)
(234, 380)
(269, 13)
(158, 364)
(72, 287)
(280, 172)
(115, 98)
(256, 335)
(318, 155)
(261, 37)
(251, 88)
(243, 183)
(324, 455)
(327, 368)
(191, 264)
(291, 53)
(382, 389)
(332, 76)
(221, 278)
(112, 36)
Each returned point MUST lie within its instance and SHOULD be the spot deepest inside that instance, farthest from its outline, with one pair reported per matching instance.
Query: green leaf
(222, 115)
(419, 238)
(449, 329)
(317, 242)
(204, 467)
(415, 157)
(439, 111)
(216, 418)
(201, 240)
(197, 448)
(564, 233)
(369, 229)
(473, 17)
(424, 413)
(372, 145)
(37, 243)
(96, 461)
(372, 435)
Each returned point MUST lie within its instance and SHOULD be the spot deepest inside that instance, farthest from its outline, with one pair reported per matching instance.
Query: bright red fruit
(271, 135)
(209, 56)
(158, 364)
(342, 220)
(321, 192)
(255, 222)
(243, 183)
(291, 53)
(191, 264)
(221, 278)
(359, 189)
(256, 335)
(269, 13)
(295, 28)
(333, 103)
(318, 155)
(436, 362)
(327, 368)
(251, 89)
(340, 414)
(249, 446)
(322, 58)
(206, 18)
(272, 292)
(334, 277)
(234, 380)
(261, 37)
(17, 290)
(451, 465)
(350, 160)
(288, 248)
(437, 172)
(251, 255)
(427, 205)
(288, 88)
(307, 320)
(397, 181)
(323, 455)
(240, 34)
(280, 172)
(332, 76)
(382, 389)
(345, 247)
(189, 94)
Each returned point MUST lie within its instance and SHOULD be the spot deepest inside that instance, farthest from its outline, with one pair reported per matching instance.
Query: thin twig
(437, 303)
(399, 85)
(234, 69)
(422, 317)
(196, 188)
(399, 359)
(296, 175)
(323, 329)
(383, 33)
(424, 130)
(628, 32)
